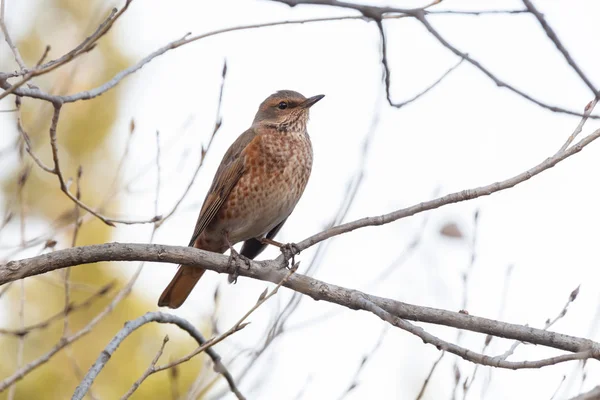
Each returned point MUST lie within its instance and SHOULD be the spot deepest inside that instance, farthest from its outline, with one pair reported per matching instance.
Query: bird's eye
(282, 106)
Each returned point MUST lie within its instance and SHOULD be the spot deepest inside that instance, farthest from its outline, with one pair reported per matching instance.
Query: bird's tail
(180, 287)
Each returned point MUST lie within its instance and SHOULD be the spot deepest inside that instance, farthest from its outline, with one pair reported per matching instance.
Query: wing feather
(227, 176)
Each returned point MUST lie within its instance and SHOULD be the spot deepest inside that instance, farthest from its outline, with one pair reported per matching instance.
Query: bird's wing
(228, 174)
(253, 247)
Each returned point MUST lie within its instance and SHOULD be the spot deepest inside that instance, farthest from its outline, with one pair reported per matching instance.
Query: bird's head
(285, 110)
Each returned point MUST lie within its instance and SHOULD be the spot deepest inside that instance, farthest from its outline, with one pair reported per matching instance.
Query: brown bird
(255, 189)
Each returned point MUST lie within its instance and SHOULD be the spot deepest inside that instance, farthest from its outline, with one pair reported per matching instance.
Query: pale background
(464, 133)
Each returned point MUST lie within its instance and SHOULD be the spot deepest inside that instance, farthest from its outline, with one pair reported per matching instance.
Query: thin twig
(467, 354)
(8, 39)
(593, 394)
(129, 328)
(67, 272)
(204, 151)
(554, 38)
(148, 371)
(87, 45)
(21, 343)
(586, 114)
(240, 324)
(387, 73)
(24, 331)
(558, 387)
(428, 379)
(455, 197)
(65, 341)
(363, 362)
(547, 325)
(378, 13)
(353, 186)
(57, 170)
(489, 74)
(157, 192)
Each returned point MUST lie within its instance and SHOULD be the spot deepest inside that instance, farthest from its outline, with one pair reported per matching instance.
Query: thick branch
(272, 271)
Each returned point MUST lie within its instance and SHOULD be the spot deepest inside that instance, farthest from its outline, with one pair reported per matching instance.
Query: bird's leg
(234, 258)
(289, 250)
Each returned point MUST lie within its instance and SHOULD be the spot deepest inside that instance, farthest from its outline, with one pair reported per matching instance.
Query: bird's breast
(276, 170)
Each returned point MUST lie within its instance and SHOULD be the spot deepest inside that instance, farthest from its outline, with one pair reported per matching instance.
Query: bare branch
(205, 345)
(65, 341)
(21, 342)
(240, 324)
(8, 39)
(57, 170)
(218, 123)
(67, 310)
(363, 362)
(455, 197)
(387, 73)
(428, 379)
(554, 38)
(547, 325)
(271, 271)
(87, 45)
(148, 371)
(467, 354)
(129, 327)
(378, 13)
(35, 92)
(489, 74)
(593, 394)
(586, 114)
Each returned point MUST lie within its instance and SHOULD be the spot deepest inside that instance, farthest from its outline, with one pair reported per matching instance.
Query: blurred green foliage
(83, 130)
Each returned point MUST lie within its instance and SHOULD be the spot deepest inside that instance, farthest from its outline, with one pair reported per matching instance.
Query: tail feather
(180, 287)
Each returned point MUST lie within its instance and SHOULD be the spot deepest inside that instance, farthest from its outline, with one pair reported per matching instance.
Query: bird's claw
(234, 258)
(289, 251)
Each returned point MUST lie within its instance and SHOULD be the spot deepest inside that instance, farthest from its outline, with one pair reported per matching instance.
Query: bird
(256, 187)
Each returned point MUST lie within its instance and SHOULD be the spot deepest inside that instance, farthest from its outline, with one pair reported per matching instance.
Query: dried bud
(262, 295)
(23, 176)
(574, 294)
(451, 230)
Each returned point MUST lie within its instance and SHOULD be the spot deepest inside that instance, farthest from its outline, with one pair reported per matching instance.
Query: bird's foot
(289, 250)
(235, 260)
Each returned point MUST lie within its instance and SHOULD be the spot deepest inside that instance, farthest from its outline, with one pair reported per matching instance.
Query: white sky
(464, 133)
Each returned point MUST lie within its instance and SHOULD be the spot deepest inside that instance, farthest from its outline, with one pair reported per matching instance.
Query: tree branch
(593, 394)
(376, 14)
(451, 198)
(554, 38)
(272, 271)
(131, 326)
(387, 73)
(8, 39)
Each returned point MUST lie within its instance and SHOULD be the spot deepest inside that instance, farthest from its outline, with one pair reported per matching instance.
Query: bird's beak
(311, 101)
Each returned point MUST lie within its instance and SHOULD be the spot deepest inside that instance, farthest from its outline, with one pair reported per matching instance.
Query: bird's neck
(295, 126)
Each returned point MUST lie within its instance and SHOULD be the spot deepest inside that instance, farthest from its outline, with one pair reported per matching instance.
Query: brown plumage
(257, 185)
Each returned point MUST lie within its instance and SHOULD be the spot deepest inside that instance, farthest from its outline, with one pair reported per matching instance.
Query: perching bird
(256, 187)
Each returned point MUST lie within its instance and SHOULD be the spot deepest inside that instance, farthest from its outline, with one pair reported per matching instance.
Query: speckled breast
(277, 168)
